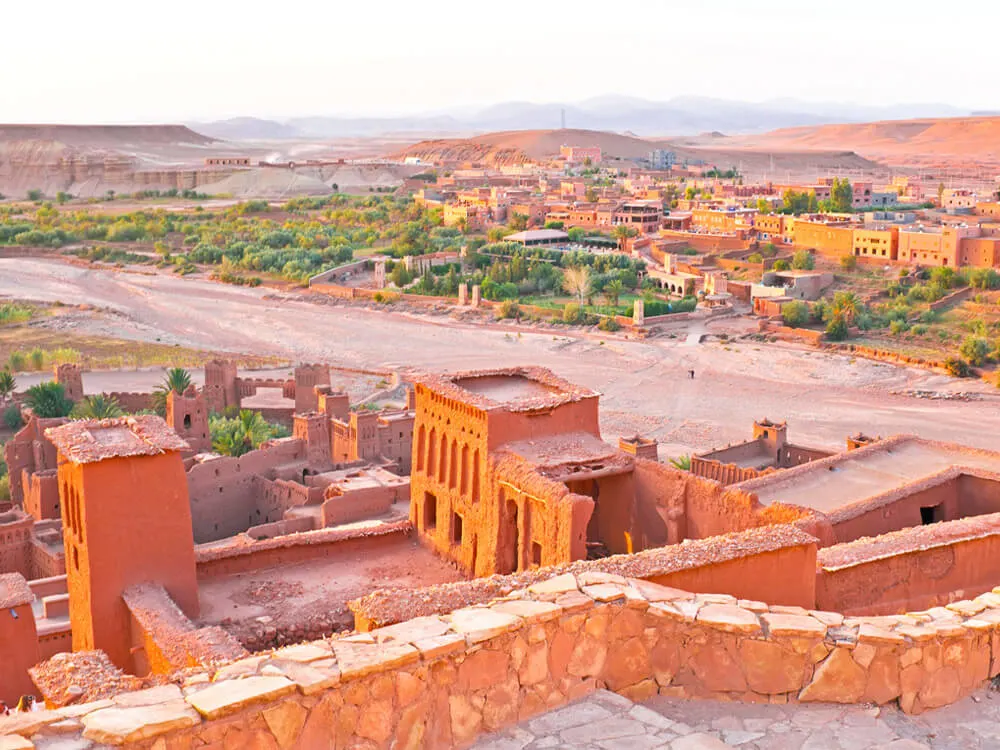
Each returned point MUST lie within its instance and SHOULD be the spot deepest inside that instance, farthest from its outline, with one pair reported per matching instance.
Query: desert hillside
(902, 142)
(105, 136)
(518, 146)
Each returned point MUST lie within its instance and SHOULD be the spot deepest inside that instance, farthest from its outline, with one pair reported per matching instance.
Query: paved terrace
(608, 721)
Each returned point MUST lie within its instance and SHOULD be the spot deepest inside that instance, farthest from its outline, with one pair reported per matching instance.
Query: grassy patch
(42, 349)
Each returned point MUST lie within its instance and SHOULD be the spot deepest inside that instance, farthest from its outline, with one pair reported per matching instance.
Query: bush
(957, 367)
(12, 417)
(836, 329)
(608, 324)
(803, 261)
(975, 349)
(48, 400)
(795, 314)
(848, 262)
(755, 258)
(896, 327)
(508, 309)
(571, 313)
(781, 265)
(16, 361)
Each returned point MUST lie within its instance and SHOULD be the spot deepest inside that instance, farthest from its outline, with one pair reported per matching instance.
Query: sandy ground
(645, 384)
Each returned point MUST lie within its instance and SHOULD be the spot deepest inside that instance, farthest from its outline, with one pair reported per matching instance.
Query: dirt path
(645, 384)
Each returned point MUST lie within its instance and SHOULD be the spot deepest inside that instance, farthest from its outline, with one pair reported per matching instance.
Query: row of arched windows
(452, 464)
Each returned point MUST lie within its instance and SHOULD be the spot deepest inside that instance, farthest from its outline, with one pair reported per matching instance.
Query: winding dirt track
(645, 383)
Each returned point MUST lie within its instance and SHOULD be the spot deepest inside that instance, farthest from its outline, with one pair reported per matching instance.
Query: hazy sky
(128, 61)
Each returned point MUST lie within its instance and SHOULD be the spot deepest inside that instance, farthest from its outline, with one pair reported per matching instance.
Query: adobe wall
(242, 554)
(439, 682)
(724, 474)
(41, 494)
(785, 576)
(277, 497)
(281, 528)
(15, 542)
(796, 455)
(359, 504)
(738, 452)
(224, 493)
(897, 510)
(910, 569)
(132, 402)
(18, 640)
(575, 416)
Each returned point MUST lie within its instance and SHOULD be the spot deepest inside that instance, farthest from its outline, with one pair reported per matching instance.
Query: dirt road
(645, 383)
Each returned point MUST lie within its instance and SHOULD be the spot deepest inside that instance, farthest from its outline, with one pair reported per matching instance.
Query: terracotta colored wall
(41, 494)
(914, 577)
(246, 556)
(15, 543)
(18, 651)
(898, 514)
(783, 577)
(114, 541)
(132, 401)
(359, 504)
(223, 492)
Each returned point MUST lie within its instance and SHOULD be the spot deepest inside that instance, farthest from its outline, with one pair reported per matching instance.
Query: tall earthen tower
(126, 521)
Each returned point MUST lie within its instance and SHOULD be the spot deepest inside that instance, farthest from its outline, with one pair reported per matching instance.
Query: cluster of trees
(320, 233)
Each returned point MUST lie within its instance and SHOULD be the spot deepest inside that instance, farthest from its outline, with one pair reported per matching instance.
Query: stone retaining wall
(438, 682)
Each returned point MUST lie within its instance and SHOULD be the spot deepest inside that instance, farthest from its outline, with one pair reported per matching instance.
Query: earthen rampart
(242, 553)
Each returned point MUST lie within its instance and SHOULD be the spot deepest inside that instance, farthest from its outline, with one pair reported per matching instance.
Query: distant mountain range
(686, 115)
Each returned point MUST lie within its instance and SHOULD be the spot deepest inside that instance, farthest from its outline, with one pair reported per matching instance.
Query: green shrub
(848, 262)
(957, 367)
(795, 314)
(803, 261)
(755, 258)
(608, 324)
(896, 327)
(975, 349)
(16, 362)
(508, 309)
(571, 313)
(836, 329)
(12, 417)
(781, 265)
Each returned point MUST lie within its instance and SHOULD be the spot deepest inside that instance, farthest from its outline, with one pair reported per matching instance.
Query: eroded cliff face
(90, 160)
(456, 150)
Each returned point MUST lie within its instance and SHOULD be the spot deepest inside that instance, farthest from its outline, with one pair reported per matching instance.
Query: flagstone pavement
(606, 721)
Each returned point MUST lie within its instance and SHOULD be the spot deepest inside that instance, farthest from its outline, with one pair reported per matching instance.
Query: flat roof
(568, 448)
(513, 388)
(14, 591)
(532, 235)
(90, 441)
(847, 478)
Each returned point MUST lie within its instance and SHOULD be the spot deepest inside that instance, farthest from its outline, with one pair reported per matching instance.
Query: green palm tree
(613, 292)
(7, 384)
(623, 233)
(681, 462)
(241, 434)
(48, 400)
(847, 305)
(177, 380)
(97, 407)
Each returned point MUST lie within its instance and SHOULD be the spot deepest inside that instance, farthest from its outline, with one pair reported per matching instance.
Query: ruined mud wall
(241, 553)
(910, 569)
(439, 682)
(224, 491)
(360, 504)
(132, 402)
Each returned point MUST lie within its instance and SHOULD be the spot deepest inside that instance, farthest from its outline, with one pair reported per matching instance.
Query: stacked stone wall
(440, 681)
